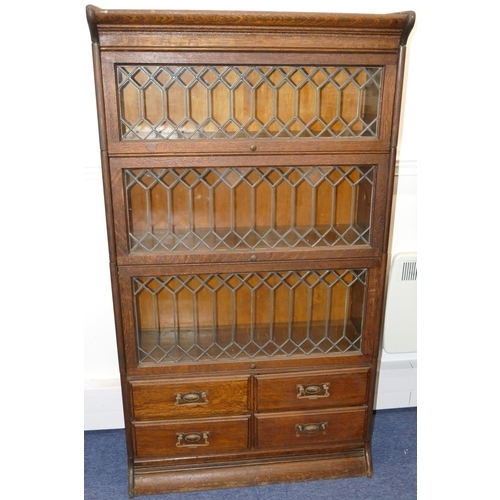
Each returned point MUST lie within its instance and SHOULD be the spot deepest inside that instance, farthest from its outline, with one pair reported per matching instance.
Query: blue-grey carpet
(394, 450)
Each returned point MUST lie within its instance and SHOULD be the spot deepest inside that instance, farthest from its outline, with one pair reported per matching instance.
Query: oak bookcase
(248, 164)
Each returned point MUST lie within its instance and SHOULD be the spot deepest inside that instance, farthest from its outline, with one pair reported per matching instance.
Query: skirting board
(397, 388)
(103, 405)
(397, 384)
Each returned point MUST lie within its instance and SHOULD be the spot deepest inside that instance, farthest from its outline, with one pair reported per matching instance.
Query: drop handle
(191, 399)
(192, 439)
(311, 429)
(313, 391)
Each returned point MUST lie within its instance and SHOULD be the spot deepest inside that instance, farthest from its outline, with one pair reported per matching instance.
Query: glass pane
(186, 209)
(231, 102)
(247, 315)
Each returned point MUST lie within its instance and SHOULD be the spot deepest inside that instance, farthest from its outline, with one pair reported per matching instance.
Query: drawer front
(311, 390)
(165, 399)
(191, 438)
(310, 429)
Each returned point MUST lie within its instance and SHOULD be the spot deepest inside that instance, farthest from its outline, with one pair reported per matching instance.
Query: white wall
(101, 373)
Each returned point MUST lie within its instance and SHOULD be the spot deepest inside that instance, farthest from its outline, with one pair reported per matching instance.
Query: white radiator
(400, 324)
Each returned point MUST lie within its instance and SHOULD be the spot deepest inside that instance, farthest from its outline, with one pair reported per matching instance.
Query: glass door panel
(246, 102)
(205, 317)
(186, 209)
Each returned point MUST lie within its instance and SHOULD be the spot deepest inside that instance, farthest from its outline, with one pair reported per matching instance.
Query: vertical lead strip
(156, 325)
(232, 210)
(271, 306)
(211, 210)
(214, 309)
(334, 199)
(352, 210)
(175, 314)
(252, 314)
(293, 206)
(328, 307)
(149, 211)
(252, 209)
(290, 307)
(363, 280)
(347, 305)
(196, 324)
(136, 318)
(190, 228)
(313, 205)
(128, 211)
(273, 206)
(309, 308)
(233, 311)
(169, 211)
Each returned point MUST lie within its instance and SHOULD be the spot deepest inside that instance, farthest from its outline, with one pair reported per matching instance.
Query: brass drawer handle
(313, 391)
(192, 439)
(311, 429)
(191, 399)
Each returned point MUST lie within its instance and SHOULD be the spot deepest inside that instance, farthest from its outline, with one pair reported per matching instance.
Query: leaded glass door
(220, 315)
(208, 206)
(243, 100)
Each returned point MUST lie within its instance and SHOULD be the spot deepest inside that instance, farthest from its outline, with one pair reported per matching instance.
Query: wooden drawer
(310, 429)
(166, 399)
(311, 390)
(191, 438)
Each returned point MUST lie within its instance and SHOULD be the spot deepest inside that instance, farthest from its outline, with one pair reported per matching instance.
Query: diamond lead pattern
(175, 210)
(247, 315)
(231, 102)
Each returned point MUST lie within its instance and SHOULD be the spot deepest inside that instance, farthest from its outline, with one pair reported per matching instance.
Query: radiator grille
(409, 271)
